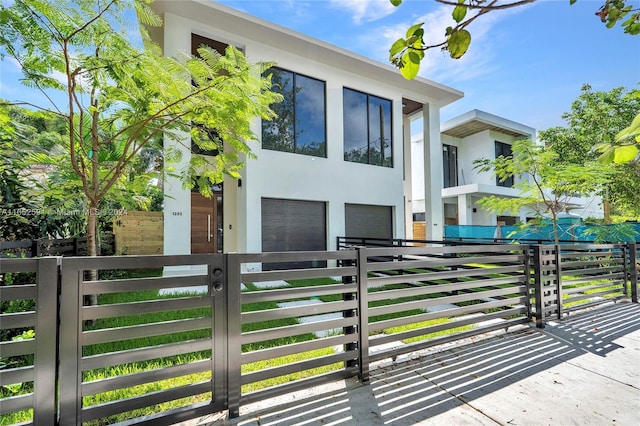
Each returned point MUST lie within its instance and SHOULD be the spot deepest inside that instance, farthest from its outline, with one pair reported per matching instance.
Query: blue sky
(526, 64)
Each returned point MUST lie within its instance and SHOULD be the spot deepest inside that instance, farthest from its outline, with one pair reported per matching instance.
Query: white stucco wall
(294, 176)
(417, 174)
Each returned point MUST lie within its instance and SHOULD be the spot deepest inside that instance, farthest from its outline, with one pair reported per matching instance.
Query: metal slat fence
(572, 277)
(441, 294)
(28, 323)
(178, 337)
(152, 349)
(297, 327)
(37, 248)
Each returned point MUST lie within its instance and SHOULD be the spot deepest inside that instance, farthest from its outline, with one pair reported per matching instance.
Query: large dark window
(367, 129)
(504, 150)
(300, 125)
(450, 165)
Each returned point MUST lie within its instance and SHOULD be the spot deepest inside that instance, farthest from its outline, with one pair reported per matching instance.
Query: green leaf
(397, 47)
(607, 156)
(412, 30)
(459, 12)
(415, 57)
(631, 131)
(458, 43)
(411, 40)
(625, 154)
(396, 3)
(572, 1)
(410, 65)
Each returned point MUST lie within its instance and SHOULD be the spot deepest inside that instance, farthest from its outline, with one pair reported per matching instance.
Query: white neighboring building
(466, 138)
(347, 169)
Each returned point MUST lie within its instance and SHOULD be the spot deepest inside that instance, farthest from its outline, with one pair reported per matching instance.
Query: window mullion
(368, 132)
(295, 115)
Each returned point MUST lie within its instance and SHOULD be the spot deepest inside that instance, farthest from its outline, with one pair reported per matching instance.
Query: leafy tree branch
(407, 52)
(121, 98)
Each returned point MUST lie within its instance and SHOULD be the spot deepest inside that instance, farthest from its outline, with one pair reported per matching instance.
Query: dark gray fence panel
(423, 296)
(634, 267)
(29, 363)
(590, 275)
(147, 352)
(285, 324)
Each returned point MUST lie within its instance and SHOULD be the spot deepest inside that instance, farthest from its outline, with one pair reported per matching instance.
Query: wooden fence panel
(139, 233)
(419, 231)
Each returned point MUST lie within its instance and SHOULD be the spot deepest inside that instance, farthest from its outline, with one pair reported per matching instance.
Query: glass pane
(380, 132)
(453, 167)
(277, 134)
(450, 165)
(445, 167)
(310, 116)
(355, 126)
(504, 150)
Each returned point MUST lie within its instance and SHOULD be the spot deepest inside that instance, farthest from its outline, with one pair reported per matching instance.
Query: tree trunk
(92, 248)
(607, 211)
(92, 219)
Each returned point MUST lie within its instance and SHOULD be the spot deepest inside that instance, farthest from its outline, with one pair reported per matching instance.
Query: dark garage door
(292, 225)
(362, 220)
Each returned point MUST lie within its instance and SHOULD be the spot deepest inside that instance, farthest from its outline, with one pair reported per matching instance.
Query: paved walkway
(584, 370)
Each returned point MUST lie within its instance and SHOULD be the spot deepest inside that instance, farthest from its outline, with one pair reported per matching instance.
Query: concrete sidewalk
(584, 370)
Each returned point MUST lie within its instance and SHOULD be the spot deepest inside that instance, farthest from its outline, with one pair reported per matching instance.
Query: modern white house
(344, 170)
(464, 139)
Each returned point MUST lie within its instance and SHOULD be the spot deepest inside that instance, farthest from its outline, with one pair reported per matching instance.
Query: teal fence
(567, 233)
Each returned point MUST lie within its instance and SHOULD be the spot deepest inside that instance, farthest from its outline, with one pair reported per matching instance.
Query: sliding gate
(116, 357)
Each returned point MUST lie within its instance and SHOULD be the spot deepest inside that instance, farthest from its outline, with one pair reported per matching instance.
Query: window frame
(500, 151)
(368, 96)
(447, 150)
(295, 149)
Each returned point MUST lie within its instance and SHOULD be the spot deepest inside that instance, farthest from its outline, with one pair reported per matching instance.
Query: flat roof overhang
(476, 121)
(480, 190)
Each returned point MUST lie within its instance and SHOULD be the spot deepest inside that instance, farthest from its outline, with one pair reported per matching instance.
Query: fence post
(46, 365)
(35, 248)
(363, 314)
(219, 284)
(537, 284)
(558, 261)
(633, 271)
(348, 279)
(234, 332)
(70, 323)
(526, 270)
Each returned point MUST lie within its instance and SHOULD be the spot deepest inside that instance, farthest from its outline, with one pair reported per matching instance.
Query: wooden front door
(206, 223)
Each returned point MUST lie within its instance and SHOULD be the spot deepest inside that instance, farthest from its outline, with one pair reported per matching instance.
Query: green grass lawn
(424, 324)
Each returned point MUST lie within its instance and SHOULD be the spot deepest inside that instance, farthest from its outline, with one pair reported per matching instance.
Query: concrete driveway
(584, 370)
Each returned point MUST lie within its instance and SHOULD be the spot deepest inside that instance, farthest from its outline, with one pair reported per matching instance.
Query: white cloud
(59, 76)
(15, 65)
(437, 65)
(365, 10)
